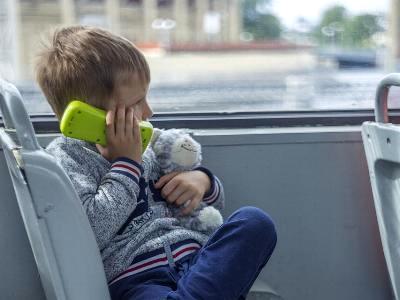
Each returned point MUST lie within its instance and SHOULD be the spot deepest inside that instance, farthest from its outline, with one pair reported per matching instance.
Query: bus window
(225, 56)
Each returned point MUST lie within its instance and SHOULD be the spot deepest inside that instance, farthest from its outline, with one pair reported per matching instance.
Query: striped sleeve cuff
(127, 167)
(212, 195)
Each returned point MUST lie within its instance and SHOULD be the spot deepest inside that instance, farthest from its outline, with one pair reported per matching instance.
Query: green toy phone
(85, 122)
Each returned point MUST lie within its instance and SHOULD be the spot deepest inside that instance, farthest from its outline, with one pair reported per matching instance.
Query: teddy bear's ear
(156, 134)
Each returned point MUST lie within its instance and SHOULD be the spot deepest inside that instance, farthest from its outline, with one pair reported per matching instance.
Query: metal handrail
(381, 98)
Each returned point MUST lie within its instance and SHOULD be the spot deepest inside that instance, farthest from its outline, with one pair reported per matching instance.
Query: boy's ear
(156, 134)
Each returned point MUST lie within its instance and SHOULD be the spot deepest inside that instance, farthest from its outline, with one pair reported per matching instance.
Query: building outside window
(226, 55)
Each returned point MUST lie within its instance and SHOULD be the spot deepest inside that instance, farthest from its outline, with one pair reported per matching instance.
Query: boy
(146, 255)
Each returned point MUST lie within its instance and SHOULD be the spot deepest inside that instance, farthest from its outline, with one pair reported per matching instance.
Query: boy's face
(131, 92)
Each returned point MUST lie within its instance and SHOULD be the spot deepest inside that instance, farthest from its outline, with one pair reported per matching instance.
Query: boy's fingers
(102, 150)
(190, 207)
(183, 198)
(129, 121)
(176, 194)
(168, 188)
(120, 123)
(137, 135)
(164, 179)
(110, 126)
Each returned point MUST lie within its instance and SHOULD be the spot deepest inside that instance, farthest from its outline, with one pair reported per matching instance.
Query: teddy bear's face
(185, 152)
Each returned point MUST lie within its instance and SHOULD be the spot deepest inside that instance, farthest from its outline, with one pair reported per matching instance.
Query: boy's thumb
(101, 149)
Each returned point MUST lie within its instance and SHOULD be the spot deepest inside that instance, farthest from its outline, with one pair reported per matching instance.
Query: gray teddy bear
(176, 150)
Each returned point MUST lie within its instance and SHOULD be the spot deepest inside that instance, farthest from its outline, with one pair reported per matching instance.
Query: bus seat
(19, 274)
(62, 241)
(382, 147)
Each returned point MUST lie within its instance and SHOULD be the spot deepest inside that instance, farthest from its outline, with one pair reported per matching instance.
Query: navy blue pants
(224, 268)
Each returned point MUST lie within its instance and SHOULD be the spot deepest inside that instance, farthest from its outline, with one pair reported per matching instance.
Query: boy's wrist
(205, 181)
(212, 193)
(127, 167)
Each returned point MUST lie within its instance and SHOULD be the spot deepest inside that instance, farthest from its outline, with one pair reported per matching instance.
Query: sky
(290, 10)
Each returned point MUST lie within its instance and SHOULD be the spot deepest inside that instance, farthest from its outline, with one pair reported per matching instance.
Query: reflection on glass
(226, 55)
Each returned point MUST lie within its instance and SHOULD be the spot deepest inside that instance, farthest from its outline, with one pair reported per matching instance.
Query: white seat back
(382, 147)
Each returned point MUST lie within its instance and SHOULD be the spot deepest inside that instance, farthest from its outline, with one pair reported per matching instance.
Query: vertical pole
(149, 14)
(14, 38)
(113, 13)
(392, 63)
(222, 8)
(234, 21)
(202, 7)
(67, 12)
(181, 16)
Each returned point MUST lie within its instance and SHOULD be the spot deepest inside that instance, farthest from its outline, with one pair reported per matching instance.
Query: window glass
(226, 55)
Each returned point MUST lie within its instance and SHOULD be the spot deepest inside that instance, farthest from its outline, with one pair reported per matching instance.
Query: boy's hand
(184, 189)
(122, 134)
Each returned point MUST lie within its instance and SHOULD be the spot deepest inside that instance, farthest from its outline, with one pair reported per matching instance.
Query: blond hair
(84, 63)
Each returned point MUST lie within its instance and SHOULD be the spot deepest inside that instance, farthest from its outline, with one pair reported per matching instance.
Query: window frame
(48, 123)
